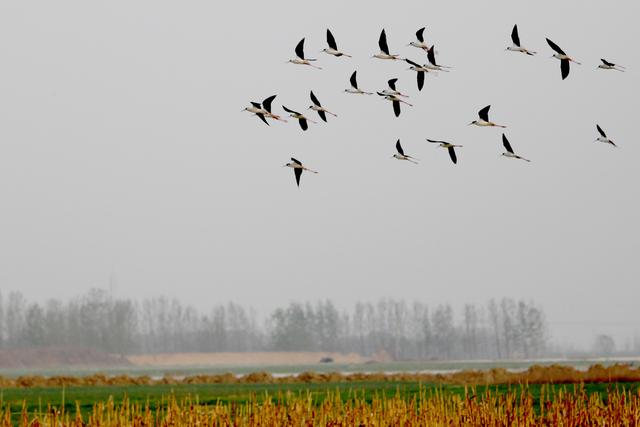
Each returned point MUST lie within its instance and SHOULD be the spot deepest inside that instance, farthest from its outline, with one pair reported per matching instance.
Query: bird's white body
(299, 166)
(407, 158)
(383, 55)
(256, 110)
(388, 92)
(606, 141)
(393, 98)
(611, 67)
(299, 116)
(316, 108)
(335, 52)
(514, 156)
(484, 123)
(565, 57)
(422, 68)
(357, 91)
(299, 61)
(515, 48)
(419, 45)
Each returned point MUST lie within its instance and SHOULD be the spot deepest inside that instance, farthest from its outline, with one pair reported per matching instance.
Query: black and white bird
(510, 152)
(384, 48)
(256, 109)
(354, 86)
(420, 72)
(432, 65)
(516, 43)
(395, 101)
(301, 60)
(603, 137)
(451, 148)
(484, 119)
(420, 44)
(392, 89)
(302, 120)
(565, 60)
(606, 65)
(266, 105)
(401, 156)
(333, 46)
(298, 167)
(317, 107)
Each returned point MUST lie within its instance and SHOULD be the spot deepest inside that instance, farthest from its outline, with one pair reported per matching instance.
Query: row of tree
(499, 329)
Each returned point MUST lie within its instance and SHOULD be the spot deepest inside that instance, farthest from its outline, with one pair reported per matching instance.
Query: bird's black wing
(506, 144)
(296, 161)
(322, 115)
(396, 108)
(289, 111)
(452, 154)
(303, 124)
(434, 141)
(267, 102)
(420, 77)
(382, 42)
(262, 118)
(392, 83)
(353, 80)
(298, 174)
(420, 35)
(412, 63)
(564, 68)
(256, 104)
(300, 49)
(331, 41)
(555, 47)
(607, 63)
(484, 113)
(431, 55)
(604, 135)
(515, 37)
(399, 148)
(314, 99)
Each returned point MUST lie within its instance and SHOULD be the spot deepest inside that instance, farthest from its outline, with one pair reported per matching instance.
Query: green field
(38, 399)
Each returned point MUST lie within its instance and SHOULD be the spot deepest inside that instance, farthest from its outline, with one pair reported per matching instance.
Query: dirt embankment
(238, 359)
(57, 356)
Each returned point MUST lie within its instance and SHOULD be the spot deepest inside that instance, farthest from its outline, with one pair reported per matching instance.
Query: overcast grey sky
(123, 149)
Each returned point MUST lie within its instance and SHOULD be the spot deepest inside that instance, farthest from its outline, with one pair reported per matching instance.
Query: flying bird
(516, 43)
(603, 137)
(606, 65)
(420, 70)
(401, 156)
(395, 101)
(565, 60)
(333, 46)
(298, 167)
(484, 118)
(257, 109)
(384, 48)
(319, 108)
(432, 65)
(354, 86)
(450, 147)
(300, 117)
(266, 106)
(510, 152)
(300, 60)
(420, 44)
(393, 91)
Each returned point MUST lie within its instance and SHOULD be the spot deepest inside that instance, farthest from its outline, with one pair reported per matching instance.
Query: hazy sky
(123, 150)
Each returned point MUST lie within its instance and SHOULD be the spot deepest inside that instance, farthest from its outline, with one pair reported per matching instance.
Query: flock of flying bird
(264, 111)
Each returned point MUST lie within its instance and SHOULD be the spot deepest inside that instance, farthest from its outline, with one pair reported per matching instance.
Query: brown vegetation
(554, 374)
(555, 407)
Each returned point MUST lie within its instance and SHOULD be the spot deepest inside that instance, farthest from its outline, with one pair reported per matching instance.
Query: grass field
(366, 403)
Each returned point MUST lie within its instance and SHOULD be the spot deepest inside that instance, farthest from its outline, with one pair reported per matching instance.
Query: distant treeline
(406, 331)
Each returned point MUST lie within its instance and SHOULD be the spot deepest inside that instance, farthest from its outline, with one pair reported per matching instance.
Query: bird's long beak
(470, 124)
